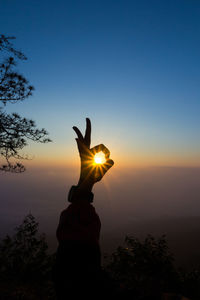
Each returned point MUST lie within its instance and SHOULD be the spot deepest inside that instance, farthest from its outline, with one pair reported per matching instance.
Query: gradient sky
(131, 66)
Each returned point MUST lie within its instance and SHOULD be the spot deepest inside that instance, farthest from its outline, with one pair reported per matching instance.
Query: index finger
(79, 134)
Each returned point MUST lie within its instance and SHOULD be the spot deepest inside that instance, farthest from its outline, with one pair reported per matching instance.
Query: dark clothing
(78, 259)
(79, 222)
(78, 269)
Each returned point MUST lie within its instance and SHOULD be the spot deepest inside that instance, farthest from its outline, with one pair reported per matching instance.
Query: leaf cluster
(15, 131)
(25, 254)
(24, 261)
(6, 45)
(13, 86)
(144, 267)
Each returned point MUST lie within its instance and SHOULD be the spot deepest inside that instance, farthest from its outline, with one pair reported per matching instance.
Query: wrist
(85, 184)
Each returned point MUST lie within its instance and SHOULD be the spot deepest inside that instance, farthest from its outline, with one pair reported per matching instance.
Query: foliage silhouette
(146, 270)
(15, 130)
(25, 264)
(141, 270)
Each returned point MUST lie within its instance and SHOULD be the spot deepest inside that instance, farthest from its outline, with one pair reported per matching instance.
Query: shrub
(25, 265)
(145, 268)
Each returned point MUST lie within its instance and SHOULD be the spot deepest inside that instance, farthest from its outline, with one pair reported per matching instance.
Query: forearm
(83, 190)
(85, 179)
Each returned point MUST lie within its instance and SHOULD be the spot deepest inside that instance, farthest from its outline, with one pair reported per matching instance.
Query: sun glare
(99, 158)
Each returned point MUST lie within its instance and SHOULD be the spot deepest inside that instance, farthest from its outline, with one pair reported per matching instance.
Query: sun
(99, 158)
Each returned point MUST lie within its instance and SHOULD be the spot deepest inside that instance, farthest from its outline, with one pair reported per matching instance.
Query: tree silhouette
(145, 268)
(25, 265)
(15, 131)
(142, 269)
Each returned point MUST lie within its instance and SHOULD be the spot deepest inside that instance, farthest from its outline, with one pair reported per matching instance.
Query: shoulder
(85, 210)
(66, 212)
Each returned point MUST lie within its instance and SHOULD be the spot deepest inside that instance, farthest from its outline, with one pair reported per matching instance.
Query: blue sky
(131, 66)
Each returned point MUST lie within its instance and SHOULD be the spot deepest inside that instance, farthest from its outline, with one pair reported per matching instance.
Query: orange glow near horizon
(120, 162)
(51, 156)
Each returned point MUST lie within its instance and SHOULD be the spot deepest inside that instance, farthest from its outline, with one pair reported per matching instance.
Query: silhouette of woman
(78, 258)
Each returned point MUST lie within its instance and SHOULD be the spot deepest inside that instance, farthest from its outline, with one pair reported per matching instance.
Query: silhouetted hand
(91, 172)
